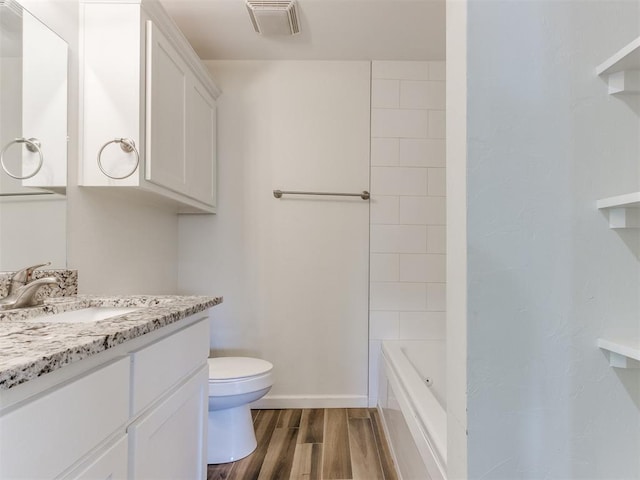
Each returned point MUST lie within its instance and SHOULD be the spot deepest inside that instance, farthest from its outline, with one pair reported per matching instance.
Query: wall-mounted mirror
(33, 140)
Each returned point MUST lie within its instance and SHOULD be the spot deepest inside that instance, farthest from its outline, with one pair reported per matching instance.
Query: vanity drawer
(159, 366)
(47, 435)
(110, 464)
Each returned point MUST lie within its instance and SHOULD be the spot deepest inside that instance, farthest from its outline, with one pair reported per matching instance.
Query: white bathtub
(413, 412)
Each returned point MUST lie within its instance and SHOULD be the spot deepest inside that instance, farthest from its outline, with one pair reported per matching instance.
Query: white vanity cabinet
(169, 405)
(137, 412)
(110, 464)
(47, 434)
(163, 443)
(142, 81)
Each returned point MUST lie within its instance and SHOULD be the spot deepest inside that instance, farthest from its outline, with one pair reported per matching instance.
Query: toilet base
(231, 435)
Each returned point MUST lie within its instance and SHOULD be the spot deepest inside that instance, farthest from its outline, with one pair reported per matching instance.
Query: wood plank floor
(314, 444)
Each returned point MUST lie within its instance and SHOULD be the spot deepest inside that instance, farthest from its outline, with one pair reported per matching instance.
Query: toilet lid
(227, 368)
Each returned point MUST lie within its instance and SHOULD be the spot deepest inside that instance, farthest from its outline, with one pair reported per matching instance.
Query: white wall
(293, 272)
(457, 239)
(407, 274)
(22, 241)
(546, 276)
(118, 245)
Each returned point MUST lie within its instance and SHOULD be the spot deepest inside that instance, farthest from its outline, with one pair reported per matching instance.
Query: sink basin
(86, 315)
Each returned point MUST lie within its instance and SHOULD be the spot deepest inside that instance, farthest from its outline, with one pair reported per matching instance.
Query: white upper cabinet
(166, 113)
(201, 142)
(148, 106)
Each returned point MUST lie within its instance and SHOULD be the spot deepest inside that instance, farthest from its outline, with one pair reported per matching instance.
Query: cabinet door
(166, 79)
(169, 442)
(201, 144)
(46, 436)
(110, 465)
(159, 367)
(111, 103)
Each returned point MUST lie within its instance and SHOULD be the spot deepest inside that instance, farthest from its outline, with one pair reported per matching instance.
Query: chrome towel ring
(33, 145)
(127, 145)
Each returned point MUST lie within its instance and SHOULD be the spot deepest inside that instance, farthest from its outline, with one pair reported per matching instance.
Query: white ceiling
(329, 30)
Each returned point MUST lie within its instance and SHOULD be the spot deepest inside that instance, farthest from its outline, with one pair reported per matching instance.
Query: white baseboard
(311, 401)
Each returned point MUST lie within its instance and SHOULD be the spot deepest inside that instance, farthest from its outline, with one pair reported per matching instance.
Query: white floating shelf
(623, 210)
(622, 69)
(622, 353)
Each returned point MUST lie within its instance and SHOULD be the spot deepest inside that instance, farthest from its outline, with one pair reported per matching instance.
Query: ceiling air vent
(274, 17)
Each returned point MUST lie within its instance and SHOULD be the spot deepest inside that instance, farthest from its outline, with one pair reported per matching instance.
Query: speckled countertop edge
(31, 346)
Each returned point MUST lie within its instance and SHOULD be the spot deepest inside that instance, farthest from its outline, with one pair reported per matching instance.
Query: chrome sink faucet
(23, 289)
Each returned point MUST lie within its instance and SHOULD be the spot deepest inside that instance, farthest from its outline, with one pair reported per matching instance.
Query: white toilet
(234, 382)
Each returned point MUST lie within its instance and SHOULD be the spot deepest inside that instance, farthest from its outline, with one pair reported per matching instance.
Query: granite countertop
(30, 346)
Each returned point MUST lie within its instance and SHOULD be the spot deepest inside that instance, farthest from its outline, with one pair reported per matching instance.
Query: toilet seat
(238, 375)
(223, 369)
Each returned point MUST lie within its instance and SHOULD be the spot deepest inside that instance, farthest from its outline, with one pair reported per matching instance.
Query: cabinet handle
(126, 145)
(33, 145)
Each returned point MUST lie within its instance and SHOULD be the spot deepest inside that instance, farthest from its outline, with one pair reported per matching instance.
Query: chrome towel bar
(364, 195)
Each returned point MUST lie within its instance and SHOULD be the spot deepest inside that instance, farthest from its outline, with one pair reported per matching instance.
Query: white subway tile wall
(399, 181)
(401, 123)
(422, 324)
(385, 152)
(385, 210)
(408, 202)
(436, 239)
(405, 70)
(436, 297)
(436, 182)
(399, 296)
(385, 325)
(437, 128)
(413, 210)
(375, 350)
(415, 152)
(422, 268)
(408, 205)
(437, 71)
(420, 94)
(398, 239)
(385, 94)
(384, 267)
